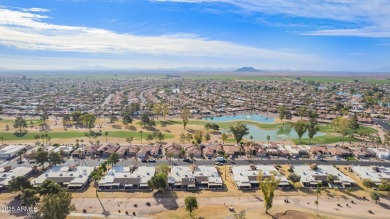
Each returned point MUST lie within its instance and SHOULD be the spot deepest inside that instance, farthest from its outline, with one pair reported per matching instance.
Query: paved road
(107, 100)
(130, 162)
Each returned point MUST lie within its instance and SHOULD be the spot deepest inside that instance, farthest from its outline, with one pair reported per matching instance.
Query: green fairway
(54, 135)
(326, 139)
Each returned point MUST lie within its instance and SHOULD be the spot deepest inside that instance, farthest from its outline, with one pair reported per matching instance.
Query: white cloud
(36, 10)
(372, 17)
(27, 30)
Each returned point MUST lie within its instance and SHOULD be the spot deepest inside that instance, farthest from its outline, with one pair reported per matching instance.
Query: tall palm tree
(268, 139)
(106, 134)
(141, 132)
(2, 140)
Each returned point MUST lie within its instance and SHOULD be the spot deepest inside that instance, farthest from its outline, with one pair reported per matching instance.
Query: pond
(281, 133)
(255, 118)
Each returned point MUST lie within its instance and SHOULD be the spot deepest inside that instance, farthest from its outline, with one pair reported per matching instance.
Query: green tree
(341, 125)
(41, 156)
(29, 198)
(163, 168)
(113, 118)
(149, 137)
(224, 137)
(312, 128)
(368, 183)
(146, 120)
(268, 186)
(198, 136)
(330, 178)
(239, 131)
(19, 183)
(185, 116)
(2, 140)
(282, 112)
(55, 158)
(375, 196)
(191, 204)
(49, 187)
(207, 126)
(302, 111)
(113, 159)
(300, 127)
(294, 178)
(214, 127)
(130, 139)
(182, 137)
(165, 110)
(182, 153)
(158, 181)
(207, 137)
(353, 123)
(127, 119)
(157, 109)
(44, 115)
(57, 206)
(20, 123)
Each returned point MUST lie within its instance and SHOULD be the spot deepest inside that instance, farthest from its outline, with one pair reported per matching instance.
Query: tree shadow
(384, 205)
(20, 134)
(105, 212)
(116, 126)
(132, 128)
(150, 128)
(167, 199)
(15, 204)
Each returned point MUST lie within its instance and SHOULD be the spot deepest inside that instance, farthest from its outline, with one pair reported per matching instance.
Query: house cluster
(319, 176)
(7, 174)
(70, 177)
(374, 173)
(11, 151)
(194, 177)
(246, 177)
(359, 153)
(24, 96)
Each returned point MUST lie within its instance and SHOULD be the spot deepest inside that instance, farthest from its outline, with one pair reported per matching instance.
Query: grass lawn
(33, 121)
(325, 139)
(350, 158)
(327, 128)
(226, 125)
(55, 135)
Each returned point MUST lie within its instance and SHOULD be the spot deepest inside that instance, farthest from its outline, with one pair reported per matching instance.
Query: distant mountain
(384, 69)
(247, 69)
(93, 67)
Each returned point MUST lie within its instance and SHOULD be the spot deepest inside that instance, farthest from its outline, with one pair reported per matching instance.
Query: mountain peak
(247, 69)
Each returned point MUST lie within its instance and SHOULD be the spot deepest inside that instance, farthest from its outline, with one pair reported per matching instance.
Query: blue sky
(333, 35)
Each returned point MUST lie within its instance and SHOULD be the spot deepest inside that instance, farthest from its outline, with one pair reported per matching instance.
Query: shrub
(369, 211)
(314, 166)
(84, 210)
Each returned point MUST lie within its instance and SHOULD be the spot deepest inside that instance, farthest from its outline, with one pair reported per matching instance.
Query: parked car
(152, 160)
(219, 164)
(186, 160)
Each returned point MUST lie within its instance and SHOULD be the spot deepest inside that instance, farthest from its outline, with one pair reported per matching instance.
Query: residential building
(194, 177)
(7, 174)
(70, 177)
(246, 177)
(127, 178)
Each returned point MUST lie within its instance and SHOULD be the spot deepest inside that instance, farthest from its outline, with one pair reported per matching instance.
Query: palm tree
(2, 140)
(141, 132)
(20, 153)
(106, 134)
(317, 192)
(268, 139)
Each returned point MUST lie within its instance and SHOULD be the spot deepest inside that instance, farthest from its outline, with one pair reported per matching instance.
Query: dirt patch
(290, 214)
